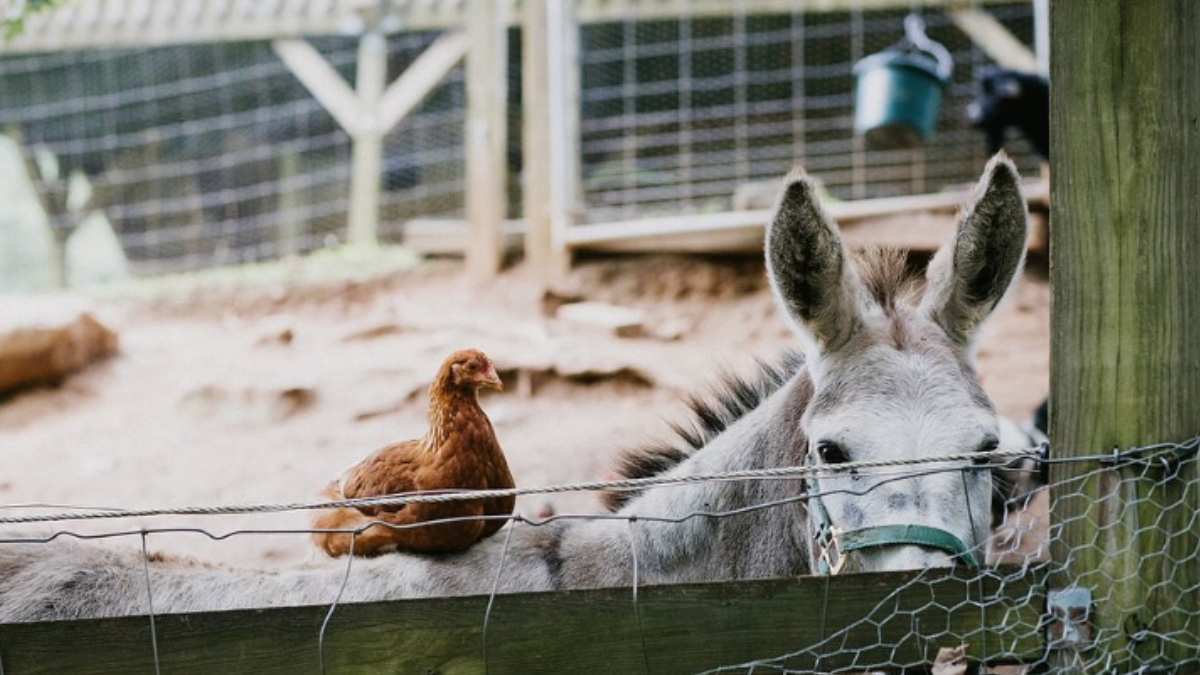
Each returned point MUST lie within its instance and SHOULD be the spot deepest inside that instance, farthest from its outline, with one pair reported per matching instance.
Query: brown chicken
(458, 452)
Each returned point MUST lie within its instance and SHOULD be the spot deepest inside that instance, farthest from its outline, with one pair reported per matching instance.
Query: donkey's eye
(832, 452)
(988, 445)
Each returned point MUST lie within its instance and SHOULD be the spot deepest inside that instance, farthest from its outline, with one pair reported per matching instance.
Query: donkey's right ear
(971, 274)
(810, 271)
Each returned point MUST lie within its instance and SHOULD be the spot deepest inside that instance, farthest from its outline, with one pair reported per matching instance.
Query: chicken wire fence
(679, 115)
(1090, 569)
(203, 155)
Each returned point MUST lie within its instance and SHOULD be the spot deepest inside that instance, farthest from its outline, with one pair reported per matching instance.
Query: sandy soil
(239, 395)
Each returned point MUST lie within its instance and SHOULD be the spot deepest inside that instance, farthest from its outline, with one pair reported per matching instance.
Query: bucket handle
(914, 35)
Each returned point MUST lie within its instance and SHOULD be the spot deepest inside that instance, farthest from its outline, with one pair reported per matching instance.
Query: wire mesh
(1120, 527)
(205, 155)
(215, 154)
(679, 114)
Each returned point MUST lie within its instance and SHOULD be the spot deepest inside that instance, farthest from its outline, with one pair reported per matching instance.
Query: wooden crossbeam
(994, 39)
(100, 24)
(321, 80)
(368, 111)
(618, 235)
(420, 79)
(868, 620)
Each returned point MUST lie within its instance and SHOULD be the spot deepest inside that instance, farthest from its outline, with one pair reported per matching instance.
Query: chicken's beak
(491, 380)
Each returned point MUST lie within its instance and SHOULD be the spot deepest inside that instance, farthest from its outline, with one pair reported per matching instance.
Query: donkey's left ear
(971, 274)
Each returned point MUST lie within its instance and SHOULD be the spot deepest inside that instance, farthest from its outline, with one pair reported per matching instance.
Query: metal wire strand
(487, 613)
(637, 611)
(333, 607)
(150, 604)
(472, 495)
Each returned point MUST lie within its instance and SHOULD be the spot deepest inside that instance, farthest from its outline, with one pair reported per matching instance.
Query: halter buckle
(832, 558)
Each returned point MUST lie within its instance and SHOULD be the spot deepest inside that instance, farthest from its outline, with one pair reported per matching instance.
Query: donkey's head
(893, 374)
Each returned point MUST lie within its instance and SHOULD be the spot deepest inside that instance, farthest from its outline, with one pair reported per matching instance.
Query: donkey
(884, 372)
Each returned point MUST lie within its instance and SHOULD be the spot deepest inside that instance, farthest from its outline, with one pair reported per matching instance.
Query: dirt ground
(250, 394)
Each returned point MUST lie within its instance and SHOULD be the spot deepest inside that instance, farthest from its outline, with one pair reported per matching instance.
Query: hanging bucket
(898, 92)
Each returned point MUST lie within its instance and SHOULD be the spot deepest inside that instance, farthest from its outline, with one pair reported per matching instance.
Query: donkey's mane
(888, 278)
(729, 399)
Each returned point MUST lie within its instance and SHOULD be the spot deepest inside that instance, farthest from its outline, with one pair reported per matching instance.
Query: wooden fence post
(541, 47)
(1125, 253)
(566, 191)
(486, 136)
(367, 159)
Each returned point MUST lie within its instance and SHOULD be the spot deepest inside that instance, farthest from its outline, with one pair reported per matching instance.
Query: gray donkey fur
(887, 373)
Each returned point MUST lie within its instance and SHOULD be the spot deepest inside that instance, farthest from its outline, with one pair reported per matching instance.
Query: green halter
(834, 543)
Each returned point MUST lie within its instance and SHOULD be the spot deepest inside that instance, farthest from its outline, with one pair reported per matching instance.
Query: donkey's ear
(971, 273)
(810, 271)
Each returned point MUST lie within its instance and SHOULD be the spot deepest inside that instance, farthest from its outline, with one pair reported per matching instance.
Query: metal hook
(915, 35)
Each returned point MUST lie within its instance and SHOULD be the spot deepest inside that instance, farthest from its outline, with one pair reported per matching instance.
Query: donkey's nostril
(897, 501)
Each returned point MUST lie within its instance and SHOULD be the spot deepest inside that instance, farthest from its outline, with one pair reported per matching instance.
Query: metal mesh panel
(213, 154)
(1092, 572)
(677, 114)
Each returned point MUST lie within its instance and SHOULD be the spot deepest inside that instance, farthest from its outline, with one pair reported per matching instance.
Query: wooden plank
(71, 26)
(535, 108)
(919, 231)
(448, 236)
(590, 11)
(1125, 341)
(486, 136)
(366, 162)
(753, 222)
(419, 80)
(321, 80)
(565, 144)
(994, 39)
(584, 235)
(1041, 36)
(870, 620)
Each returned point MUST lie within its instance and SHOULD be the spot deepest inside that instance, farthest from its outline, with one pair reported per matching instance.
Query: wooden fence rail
(868, 618)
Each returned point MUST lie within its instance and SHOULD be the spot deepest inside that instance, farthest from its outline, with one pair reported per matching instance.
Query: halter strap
(834, 543)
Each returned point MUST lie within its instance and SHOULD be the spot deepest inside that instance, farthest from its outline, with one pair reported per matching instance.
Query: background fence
(214, 154)
(677, 114)
(205, 152)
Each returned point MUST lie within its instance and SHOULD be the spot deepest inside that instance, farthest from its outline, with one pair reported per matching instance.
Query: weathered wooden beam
(611, 236)
(448, 236)
(419, 80)
(100, 24)
(918, 231)
(535, 106)
(1125, 342)
(366, 162)
(321, 80)
(486, 136)
(565, 145)
(868, 620)
(595, 11)
(994, 39)
(1041, 35)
